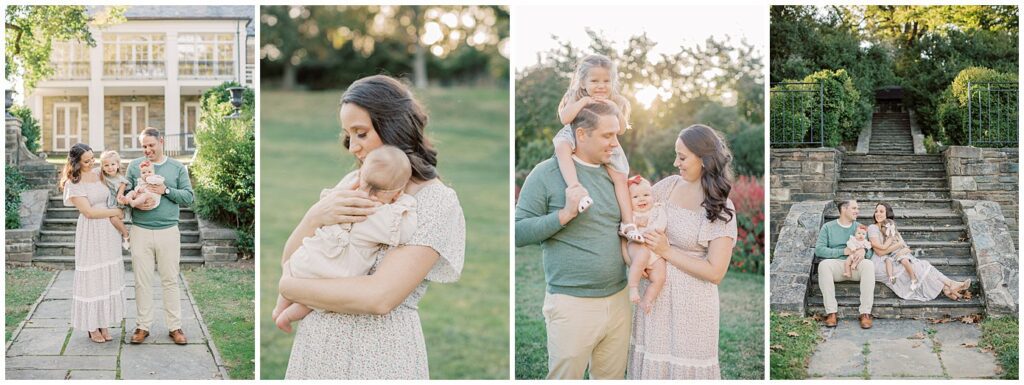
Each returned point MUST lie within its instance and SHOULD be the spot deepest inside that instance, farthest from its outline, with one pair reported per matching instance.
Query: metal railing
(117, 70)
(70, 70)
(797, 114)
(180, 144)
(992, 114)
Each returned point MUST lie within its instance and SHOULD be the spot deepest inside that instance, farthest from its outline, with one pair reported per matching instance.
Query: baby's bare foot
(284, 324)
(646, 306)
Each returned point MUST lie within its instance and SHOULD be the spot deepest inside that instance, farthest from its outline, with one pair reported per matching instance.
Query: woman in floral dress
(678, 339)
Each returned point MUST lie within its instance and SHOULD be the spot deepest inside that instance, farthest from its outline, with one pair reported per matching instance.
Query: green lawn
(1001, 334)
(465, 323)
(793, 339)
(225, 300)
(24, 285)
(741, 332)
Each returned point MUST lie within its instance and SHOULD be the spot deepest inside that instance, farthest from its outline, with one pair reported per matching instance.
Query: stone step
(56, 236)
(846, 183)
(906, 217)
(891, 152)
(885, 170)
(909, 158)
(64, 262)
(68, 249)
(904, 203)
(933, 233)
(886, 194)
(64, 224)
(901, 308)
(852, 288)
(71, 212)
(950, 266)
(853, 172)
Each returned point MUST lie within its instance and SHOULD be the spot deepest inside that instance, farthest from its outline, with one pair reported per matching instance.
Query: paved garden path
(46, 347)
(902, 349)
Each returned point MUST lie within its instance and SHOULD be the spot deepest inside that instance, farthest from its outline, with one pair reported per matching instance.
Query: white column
(172, 93)
(97, 126)
(36, 106)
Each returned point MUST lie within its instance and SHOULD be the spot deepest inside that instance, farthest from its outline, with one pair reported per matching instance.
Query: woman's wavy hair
(398, 118)
(716, 176)
(72, 170)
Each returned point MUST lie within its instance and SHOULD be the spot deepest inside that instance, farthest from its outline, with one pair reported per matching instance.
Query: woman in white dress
(371, 327)
(678, 339)
(931, 281)
(98, 293)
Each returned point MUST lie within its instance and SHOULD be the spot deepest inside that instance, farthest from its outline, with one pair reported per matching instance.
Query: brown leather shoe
(178, 336)
(865, 321)
(831, 320)
(139, 336)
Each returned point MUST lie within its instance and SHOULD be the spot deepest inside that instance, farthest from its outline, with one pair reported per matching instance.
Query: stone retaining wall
(994, 254)
(801, 174)
(20, 243)
(218, 243)
(793, 256)
(988, 174)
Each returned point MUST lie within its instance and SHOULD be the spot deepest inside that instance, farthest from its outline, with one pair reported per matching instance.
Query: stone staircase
(890, 133)
(917, 188)
(56, 246)
(39, 173)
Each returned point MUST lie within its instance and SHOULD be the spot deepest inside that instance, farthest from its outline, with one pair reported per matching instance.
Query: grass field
(225, 299)
(465, 323)
(741, 332)
(793, 339)
(23, 287)
(1002, 335)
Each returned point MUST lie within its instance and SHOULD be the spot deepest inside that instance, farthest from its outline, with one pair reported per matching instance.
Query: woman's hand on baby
(342, 206)
(657, 242)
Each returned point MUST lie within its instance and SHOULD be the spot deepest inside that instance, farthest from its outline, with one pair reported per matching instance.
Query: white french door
(134, 119)
(189, 124)
(67, 125)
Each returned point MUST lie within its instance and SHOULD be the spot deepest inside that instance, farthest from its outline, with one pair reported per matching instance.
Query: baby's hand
(282, 303)
(283, 323)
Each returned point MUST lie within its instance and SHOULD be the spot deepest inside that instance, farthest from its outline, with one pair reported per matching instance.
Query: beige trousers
(830, 271)
(162, 248)
(586, 332)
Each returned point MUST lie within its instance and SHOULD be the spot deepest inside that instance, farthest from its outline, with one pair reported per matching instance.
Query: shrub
(748, 151)
(224, 169)
(953, 110)
(844, 111)
(534, 152)
(789, 114)
(29, 128)
(14, 185)
(747, 196)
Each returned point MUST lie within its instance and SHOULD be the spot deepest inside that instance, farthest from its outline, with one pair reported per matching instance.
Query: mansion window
(134, 56)
(206, 55)
(70, 60)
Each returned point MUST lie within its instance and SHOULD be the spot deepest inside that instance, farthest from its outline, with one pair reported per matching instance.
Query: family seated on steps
(848, 256)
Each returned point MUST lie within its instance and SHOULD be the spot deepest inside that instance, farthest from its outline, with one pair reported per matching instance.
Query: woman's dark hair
(397, 118)
(73, 167)
(889, 214)
(715, 178)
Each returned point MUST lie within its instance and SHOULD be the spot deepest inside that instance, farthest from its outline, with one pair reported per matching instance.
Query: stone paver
(902, 349)
(43, 349)
(165, 362)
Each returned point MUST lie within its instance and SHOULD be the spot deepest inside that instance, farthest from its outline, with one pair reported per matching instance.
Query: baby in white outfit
(350, 249)
(141, 195)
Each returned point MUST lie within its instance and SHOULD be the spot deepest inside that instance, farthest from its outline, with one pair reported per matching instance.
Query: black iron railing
(180, 144)
(797, 114)
(992, 114)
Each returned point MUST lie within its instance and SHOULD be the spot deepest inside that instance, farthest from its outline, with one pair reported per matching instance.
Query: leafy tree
(342, 43)
(32, 29)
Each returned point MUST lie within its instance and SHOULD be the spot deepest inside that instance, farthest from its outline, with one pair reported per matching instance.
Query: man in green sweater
(831, 247)
(586, 310)
(155, 237)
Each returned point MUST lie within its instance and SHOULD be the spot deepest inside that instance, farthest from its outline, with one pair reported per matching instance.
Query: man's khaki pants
(830, 271)
(587, 331)
(162, 247)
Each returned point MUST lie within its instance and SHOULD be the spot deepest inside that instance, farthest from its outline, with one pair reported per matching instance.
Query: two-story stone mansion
(147, 71)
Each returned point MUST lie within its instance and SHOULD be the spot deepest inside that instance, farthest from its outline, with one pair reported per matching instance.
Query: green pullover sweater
(832, 241)
(167, 213)
(584, 257)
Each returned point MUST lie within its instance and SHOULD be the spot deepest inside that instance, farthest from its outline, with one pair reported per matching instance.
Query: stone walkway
(902, 349)
(46, 347)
